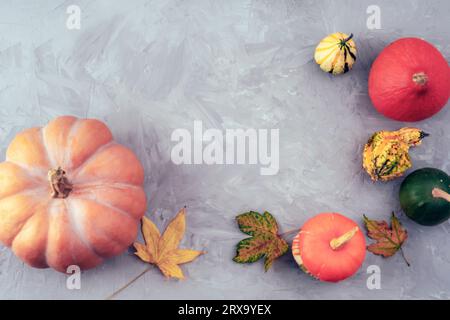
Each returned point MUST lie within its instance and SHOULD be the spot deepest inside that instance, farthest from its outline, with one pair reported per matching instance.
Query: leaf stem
(288, 232)
(404, 257)
(129, 283)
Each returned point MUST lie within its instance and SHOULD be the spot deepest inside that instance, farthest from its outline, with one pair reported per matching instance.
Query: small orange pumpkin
(69, 195)
(329, 247)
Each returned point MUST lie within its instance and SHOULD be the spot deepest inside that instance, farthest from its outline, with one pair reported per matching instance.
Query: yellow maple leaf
(163, 251)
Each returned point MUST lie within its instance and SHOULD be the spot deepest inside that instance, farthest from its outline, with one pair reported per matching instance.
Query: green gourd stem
(343, 42)
(439, 193)
(348, 38)
(338, 242)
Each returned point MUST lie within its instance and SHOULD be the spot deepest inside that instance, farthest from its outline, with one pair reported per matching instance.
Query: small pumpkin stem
(60, 185)
(439, 193)
(420, 78)
(336, 243)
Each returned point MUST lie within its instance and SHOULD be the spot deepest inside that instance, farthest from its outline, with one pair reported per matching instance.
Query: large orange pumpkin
(69, 195)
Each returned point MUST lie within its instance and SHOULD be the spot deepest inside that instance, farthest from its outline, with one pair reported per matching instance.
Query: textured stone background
(148, 67)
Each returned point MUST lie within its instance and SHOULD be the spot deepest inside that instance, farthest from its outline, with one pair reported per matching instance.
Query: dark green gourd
(425, 196)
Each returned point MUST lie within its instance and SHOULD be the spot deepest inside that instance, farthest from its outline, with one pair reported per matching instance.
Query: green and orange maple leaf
(264, 241)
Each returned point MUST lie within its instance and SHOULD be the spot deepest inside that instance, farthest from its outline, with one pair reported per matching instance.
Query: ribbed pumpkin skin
(392, 89)
(311, 247)
(100, 216)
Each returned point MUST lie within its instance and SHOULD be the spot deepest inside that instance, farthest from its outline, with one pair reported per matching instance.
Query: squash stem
(343, 42)
(439, 193)
(420, 78)
(59, 184)
(336, 243)
(348, 38)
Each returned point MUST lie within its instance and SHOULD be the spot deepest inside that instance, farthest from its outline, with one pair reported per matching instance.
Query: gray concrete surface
(149, 67)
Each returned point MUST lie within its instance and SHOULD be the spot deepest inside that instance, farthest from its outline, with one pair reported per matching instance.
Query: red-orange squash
(409, 80)
(329, 247)
(69, 195)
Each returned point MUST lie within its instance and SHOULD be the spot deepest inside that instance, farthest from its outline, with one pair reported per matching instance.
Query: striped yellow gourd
(336, 53)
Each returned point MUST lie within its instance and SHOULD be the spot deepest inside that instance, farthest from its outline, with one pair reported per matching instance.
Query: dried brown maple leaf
(388, 240)
(163, 251)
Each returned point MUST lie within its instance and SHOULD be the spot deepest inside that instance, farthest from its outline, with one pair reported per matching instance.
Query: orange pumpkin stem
(420, 78)
(439, 193)
(336, 243)
(59, 183)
